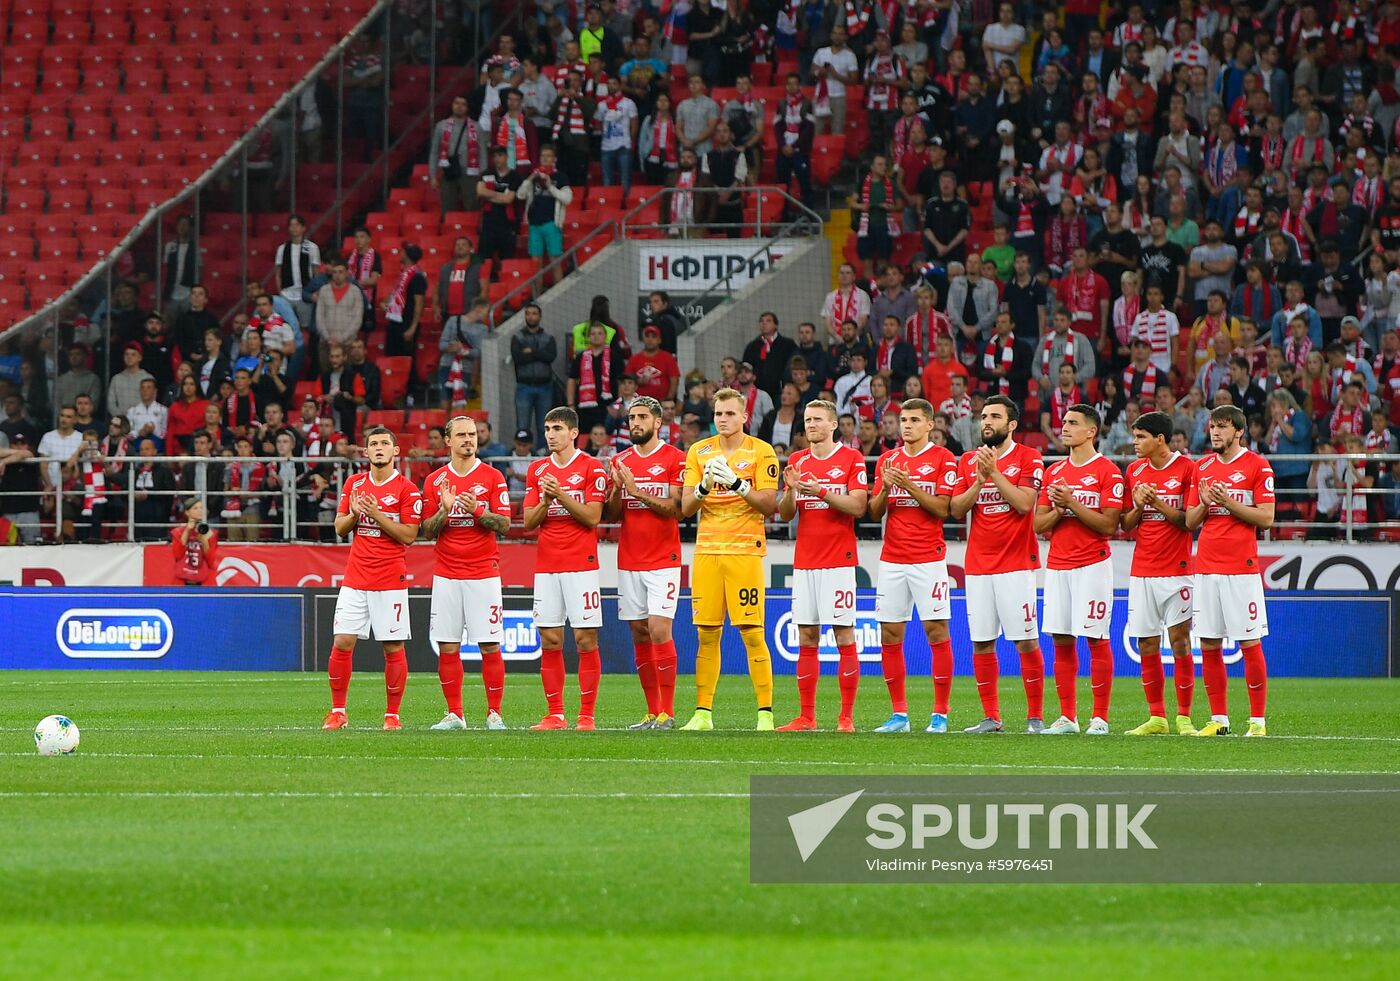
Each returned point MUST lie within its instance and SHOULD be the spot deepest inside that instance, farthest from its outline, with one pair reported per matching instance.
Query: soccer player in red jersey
(1078, 511)
(1159, 589)
(646, 496)
(465, 505)
(997, 484)
(382, 508)
(912, 491)
(826, 485)
(564, 496)
(1230, 500)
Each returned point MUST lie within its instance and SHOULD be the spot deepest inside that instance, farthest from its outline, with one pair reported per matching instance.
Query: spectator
(521, 459)
(1119, 439)
(1333, 288)
(547, 196)
(157, 353)
(191, 324)
(455, 159)
(403, 309)
(148, 417)
(459, 361)
(852, 389)
(728, 172)
(696, 118)
(496, 194)
(243, 506)
(794, 130)
(1244, 391)
(1052, 414)
(972, 305)
(366, 267)
(782, 423)
(744, 113)
(1085, 294)
(681, 208)
(1212, 265)
(185, 416)
(846, 302)
(665, 318)
(835, 67)
(892, 299)
(124, 390)
(597, 38)
(1215, 320)
(152, 492)
(570, 130)
(297, 260)
(770, 353)
(487, 447)
(340, 308)
(62, 446)
(758, 402)
(1063, 346)
(658, 147)
(895, 356)
(599, 312)
(1289, 433)
(538, 95)
(594, 377)
(879, 203)
(1004, 39)
(79, 379)
(658, 375)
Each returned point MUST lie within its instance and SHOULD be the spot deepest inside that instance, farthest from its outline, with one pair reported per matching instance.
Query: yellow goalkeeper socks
(707, 666)
(760, 666)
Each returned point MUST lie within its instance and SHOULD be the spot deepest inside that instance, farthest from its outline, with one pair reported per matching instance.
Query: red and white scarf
(884, 355)
(683, 204)
(1065, 235)
(1344, 422)
(751, 405)
(1271, 152)
(922, 331)
(879, 73)
(233, 503)
(399, 297)
(594, 387)
(94, 486)
(1367, 193)
(568, 118)
(844, 308)
(1297, 162)
(511, 135)
(1292, 223)
(663, 142)
(473, 142)
(1247, 223)
(857, 16)
(1047, 356)
(457, 379)
(1097, 111)
(792, 119)
(1059, 405)
(1221, 164)
(1141, 387)
(231, 411)
(1000, 353)
(1125, 311)
(890, 224)
(362, 265)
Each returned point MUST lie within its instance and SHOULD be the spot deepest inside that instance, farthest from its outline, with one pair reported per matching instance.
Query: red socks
(984, 669)
(590, 668)
(645, 653)
(1213, 674)
(1101, 676)
(1256, 677)
(1154, 683)
(552, 676)
(395, 677)
(493, 678)
(338, 671)
(450, 674)
(1033, 677)
(850, 678)
(942, 675)
(1066, 677)
(809, 668)
(664, 659)
(892, 664)
(1184, 677)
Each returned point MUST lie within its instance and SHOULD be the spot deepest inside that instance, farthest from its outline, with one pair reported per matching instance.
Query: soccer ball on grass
(55, 736)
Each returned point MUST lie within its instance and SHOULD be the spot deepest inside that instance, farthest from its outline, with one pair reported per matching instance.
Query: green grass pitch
(207, 828)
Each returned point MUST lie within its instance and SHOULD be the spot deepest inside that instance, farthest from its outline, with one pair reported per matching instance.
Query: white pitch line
(1065, 767)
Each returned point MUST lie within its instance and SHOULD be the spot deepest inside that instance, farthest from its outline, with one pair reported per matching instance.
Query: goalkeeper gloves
(722, 474)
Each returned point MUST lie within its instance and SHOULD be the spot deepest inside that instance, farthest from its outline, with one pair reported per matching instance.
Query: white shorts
(902, 587)
(651, 593)
(1156, 603)
(385, 611)
(1230, 607)
(824, 597)
(571, 596)
(1079, 602)
(1002, 605)
(466, 611)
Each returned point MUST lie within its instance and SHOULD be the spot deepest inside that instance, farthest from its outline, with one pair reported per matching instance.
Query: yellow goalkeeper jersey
(728, 524)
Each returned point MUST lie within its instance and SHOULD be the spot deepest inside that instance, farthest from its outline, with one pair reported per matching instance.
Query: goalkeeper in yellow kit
(732, 480)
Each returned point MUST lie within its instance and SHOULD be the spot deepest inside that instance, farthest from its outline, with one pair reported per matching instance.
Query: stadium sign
(694, 267)
(867, 632)
(114, 633)
(520, 640)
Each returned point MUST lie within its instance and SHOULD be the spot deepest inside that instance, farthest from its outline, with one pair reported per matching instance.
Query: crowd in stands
(1145, 206)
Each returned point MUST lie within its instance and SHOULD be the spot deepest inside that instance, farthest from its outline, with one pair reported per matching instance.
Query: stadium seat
(393, 379)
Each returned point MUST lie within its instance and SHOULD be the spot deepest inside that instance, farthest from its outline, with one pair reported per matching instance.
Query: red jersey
(649, 541)
(1097, 484)
(912, 535)
(1000, 540)
(1227, 546)
(654, 372)
(376, 560)
(826, 538)
(466, 550)
(1163, 549)
(564, 544)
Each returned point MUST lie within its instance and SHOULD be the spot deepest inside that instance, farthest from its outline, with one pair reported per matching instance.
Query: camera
(202, 528)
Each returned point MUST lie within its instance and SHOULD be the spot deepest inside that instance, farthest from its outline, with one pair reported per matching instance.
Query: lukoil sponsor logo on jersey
(86, 633)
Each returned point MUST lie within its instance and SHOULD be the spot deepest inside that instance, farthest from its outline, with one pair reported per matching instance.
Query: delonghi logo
(520, 641)
(143, 634)
(867, 630)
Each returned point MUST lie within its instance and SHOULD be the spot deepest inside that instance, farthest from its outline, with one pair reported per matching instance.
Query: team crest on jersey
(1089, 481)
(925, 471)
(389, 501)
(1237, 476)
(1172, 484)
(835, 472)
(575, 479)
(657, 471)
(478, 490)
(1012, 471)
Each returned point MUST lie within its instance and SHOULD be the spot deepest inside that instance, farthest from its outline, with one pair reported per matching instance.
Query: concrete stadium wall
(794, 295)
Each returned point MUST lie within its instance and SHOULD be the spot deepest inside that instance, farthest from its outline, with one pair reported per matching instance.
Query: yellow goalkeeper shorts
(727, 583)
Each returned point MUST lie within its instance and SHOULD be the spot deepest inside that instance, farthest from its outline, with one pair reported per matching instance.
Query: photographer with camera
(195, 546)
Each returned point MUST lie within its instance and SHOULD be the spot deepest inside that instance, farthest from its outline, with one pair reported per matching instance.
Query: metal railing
(305, 510)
